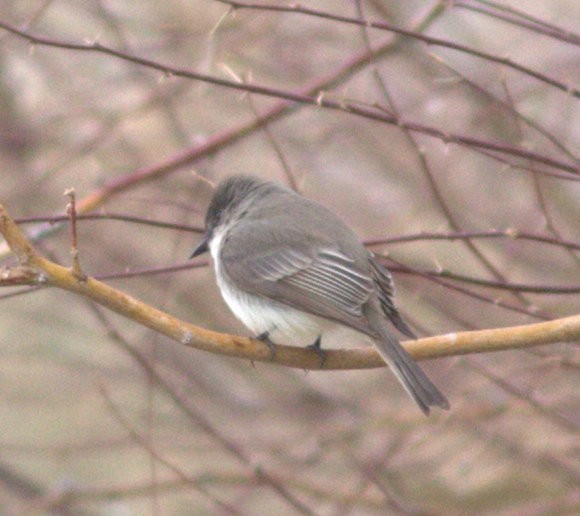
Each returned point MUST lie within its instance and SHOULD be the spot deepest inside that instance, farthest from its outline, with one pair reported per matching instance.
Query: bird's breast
(284, 324)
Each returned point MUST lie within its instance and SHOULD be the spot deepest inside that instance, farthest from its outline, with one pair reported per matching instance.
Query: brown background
(78, 413)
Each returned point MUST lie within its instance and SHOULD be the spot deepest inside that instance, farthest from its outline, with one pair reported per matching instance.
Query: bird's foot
(317, 348)
(265, 338)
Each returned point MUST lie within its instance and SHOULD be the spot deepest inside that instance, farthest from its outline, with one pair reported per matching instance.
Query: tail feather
(415, 381)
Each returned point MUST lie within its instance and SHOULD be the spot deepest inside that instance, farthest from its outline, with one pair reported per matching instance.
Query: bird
(290, 269)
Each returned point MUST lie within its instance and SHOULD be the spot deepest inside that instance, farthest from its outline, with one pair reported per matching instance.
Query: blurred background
(101, 416)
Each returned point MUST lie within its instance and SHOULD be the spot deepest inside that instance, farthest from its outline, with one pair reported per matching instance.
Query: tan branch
(37, 270)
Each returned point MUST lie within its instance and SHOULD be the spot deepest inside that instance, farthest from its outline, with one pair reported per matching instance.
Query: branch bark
(33, 269)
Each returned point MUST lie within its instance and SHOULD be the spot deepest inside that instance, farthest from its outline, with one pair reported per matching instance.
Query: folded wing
(323, 282)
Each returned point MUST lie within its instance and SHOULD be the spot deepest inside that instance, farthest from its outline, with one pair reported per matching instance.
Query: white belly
(284, 325)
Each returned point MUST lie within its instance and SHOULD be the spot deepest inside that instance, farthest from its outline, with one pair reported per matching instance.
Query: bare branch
(572, 171)
(411, 34)
(515, 17)
(49, 273)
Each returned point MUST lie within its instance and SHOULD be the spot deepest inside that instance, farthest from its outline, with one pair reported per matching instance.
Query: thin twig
(143, 442)
(515, 17)
(320, 100)
(72, 213)
(259, 473)
(233, 135)
(429, 40)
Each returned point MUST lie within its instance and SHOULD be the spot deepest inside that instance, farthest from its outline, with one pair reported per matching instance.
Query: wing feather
(386, 292)
(323, 282)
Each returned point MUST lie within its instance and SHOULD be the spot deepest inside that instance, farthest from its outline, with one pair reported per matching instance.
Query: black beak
(202, 247)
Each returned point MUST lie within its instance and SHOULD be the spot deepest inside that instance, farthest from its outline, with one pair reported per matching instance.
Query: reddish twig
(512, 233)
(515, 17)
(429, 40)
(320, 100)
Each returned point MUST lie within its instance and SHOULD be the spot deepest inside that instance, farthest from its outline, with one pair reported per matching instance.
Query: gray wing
(386, 292)
(322, 281)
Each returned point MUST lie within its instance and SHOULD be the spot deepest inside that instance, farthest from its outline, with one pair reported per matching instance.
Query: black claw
(317, 348)
(265, 338)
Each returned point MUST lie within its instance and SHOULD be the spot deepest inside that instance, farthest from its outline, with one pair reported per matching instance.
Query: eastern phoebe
(289, 269)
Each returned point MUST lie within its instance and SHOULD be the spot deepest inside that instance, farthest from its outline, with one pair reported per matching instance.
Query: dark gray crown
(230, 193)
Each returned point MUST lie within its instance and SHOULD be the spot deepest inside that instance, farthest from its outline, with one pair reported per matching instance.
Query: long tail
(415, 381)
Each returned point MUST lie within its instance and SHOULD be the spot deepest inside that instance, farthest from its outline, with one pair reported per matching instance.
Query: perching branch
(35, 270)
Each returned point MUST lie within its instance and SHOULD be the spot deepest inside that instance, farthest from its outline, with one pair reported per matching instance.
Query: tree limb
(35, 270)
